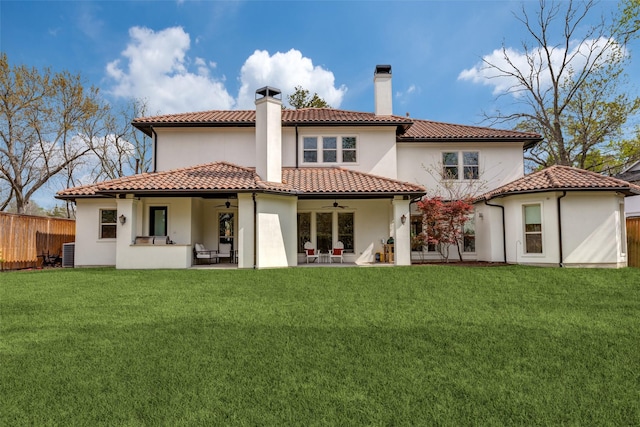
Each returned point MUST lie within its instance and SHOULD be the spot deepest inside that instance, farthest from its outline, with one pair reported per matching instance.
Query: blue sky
(199, 55)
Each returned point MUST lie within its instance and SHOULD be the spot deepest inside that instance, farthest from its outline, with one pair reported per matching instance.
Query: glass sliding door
(324, 238)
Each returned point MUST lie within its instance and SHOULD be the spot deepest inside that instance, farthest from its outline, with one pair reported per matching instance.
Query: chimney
(382, 90)
(269, 134)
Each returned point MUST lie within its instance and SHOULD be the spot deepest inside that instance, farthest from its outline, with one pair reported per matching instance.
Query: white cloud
(157, 68)
(579, 52)
(285, 71)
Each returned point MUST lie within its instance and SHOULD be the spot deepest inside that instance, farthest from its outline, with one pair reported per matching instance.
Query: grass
(431, 345)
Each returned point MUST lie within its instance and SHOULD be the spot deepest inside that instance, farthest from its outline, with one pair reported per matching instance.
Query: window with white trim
(532, 229)
(451, 161)
(108, 219)
(310, 149)
(330, 149)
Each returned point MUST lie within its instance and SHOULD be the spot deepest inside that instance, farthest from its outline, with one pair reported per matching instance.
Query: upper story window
(467, 162)
(108, 223)
(330, 149)
(310, 148)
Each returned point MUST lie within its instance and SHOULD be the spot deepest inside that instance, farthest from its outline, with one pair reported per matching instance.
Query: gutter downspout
(155, 149)
(564, 193)
(297, 147)
(255, 230)
(504, 230)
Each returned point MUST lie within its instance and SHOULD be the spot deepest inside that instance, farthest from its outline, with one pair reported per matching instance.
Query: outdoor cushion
(337, 251)
(311, 251)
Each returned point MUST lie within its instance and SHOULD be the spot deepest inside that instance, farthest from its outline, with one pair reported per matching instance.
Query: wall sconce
(480, 215)
(123, 219)
(403, 219)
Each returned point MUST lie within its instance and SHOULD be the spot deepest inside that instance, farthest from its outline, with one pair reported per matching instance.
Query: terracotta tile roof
(344, 181)
(247, 118)
(429, 131)
(410, 130)
(223, 177)
(562, 178)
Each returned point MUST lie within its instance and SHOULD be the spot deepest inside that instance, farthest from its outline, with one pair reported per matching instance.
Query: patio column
(402, 238)
(126, 234)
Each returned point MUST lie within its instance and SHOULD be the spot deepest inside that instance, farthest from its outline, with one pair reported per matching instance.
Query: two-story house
(269, 180)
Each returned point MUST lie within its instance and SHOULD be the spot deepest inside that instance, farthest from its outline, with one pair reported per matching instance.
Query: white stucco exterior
(421, 163)
(592, 229)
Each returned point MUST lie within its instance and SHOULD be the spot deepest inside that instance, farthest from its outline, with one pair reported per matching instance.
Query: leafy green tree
(570, 83)
(302, 98)
(40, 114)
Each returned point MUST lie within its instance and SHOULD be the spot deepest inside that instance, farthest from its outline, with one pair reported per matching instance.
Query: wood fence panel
(25, 238)
(633, 242)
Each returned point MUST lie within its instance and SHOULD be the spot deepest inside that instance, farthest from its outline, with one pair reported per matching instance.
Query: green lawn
(429, 345)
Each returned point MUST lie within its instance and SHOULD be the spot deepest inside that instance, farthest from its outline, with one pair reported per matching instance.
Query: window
(469, 235)
(348, 149)
(158, 221)
(533, 229)
(345, 230)
(450, 165)
(329, 149)
(304, 230)
(470, 165)
(108, 218)
(310, 149)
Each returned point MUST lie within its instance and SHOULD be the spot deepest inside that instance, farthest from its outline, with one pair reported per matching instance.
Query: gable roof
(408, 129)
(631, 174)
(223, 178)
(562, 178)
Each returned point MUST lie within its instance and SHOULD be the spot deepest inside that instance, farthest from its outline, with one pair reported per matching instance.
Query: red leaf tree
(443, 223)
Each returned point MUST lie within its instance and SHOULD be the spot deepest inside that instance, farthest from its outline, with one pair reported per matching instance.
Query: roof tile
(225, 177)
(562, 178)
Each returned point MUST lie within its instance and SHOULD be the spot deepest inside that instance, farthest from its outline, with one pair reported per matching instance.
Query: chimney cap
(268, 91)
(383, 69)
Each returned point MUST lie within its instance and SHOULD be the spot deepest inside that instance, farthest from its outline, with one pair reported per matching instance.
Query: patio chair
(310, 252)
(336, 252)
(224, 251)
(202, 254)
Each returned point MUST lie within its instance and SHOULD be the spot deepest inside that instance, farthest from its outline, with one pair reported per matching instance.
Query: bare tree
(40, 114)
(567, 81)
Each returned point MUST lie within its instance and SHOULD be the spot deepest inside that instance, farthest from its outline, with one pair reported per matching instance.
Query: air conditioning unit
(68, 254)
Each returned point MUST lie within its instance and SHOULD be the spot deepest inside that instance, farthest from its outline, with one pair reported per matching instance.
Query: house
(266, 181)
(632, 175)
(559, 216)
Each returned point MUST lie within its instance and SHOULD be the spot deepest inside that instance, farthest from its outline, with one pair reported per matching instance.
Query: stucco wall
(591, 229)
(90, 250)
(184, 147)
(276, 231)
(499, 164)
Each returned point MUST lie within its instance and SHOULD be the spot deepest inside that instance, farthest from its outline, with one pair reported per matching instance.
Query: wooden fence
(633, 242)
(24, 239)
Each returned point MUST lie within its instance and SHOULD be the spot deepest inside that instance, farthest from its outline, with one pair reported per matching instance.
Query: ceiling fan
(335, 205)
(227, 205)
